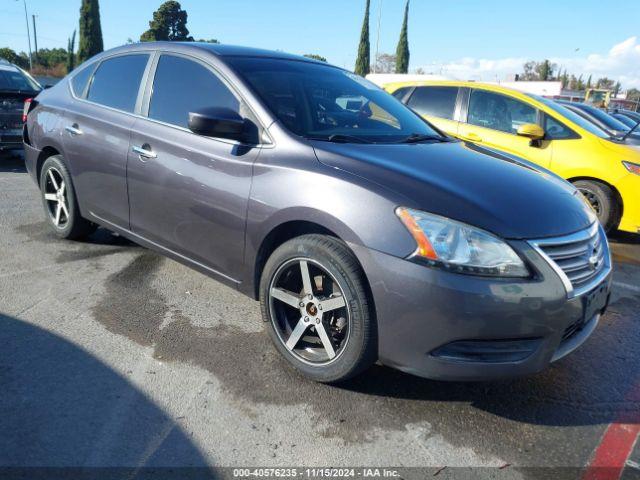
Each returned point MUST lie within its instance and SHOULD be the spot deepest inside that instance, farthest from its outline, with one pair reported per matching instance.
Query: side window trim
(149, 53)
(462, 105)
(407, 95)
(147, 93)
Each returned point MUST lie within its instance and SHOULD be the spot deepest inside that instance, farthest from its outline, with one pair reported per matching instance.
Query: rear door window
(117, 81)
(499, 112)
(434, 101)
(181, 86)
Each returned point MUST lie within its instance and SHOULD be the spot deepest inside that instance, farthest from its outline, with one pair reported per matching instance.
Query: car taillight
(25, 109)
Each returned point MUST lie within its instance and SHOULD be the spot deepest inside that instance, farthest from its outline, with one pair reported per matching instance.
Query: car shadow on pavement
(12, 162)
(66, 412)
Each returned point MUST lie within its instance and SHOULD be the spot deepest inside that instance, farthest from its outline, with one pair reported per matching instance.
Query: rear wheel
(314, 299)
(603, 200)
(60, 203)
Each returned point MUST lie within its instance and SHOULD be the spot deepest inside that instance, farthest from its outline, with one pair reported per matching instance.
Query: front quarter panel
(295, 186)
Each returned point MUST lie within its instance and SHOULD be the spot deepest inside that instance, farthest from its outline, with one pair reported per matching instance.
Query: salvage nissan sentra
(366, 234)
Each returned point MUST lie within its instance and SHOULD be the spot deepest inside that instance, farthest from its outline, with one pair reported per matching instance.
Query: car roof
(495, 87)
(216, 49)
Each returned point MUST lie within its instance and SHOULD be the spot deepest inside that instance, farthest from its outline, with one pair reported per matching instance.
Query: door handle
(472, 137)
(145, 151)
(73, 129)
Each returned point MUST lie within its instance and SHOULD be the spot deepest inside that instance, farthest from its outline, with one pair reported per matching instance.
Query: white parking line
(627, 286)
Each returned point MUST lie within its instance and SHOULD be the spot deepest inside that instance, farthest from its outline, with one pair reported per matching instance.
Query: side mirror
(531, 130)
(218, 122)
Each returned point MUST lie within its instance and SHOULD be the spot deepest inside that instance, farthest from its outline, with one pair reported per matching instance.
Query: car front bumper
(448, 326)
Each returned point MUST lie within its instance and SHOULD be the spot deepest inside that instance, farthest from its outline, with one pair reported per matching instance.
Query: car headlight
(459, 247)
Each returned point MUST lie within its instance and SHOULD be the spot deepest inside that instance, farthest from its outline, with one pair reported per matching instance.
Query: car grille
(581, 259)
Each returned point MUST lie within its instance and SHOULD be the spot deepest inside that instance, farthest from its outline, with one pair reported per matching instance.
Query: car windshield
(13, 79)
(607, 120)
(572, 116)
(322, 102)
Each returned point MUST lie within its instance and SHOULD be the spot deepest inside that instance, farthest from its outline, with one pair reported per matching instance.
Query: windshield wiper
(420, 137)
(626, 135)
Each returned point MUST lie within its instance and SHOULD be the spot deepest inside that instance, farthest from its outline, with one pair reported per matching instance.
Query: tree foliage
(169, 23)
(386, 63)
(402, 51)
(20, 59)
(538, 71)
(364, 55)
(71, 56)
(315, 57)
(90, 30)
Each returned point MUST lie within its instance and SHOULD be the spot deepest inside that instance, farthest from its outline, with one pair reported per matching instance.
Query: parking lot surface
(111, 355)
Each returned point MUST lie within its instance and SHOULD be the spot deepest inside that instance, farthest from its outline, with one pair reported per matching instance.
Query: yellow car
(604, 169)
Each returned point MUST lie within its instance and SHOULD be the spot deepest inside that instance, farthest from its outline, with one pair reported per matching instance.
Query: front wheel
(314, 300)
(60, 203)
(603, 201)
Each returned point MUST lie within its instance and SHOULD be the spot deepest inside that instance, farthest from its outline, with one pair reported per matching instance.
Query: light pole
(26, 18)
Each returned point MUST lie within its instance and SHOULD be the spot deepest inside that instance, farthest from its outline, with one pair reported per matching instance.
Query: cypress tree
(71, 57)
(90, 30)
(402, 51)
(363, 62)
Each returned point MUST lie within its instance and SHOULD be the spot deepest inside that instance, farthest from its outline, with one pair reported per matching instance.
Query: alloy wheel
(55, 195)
(309, 311)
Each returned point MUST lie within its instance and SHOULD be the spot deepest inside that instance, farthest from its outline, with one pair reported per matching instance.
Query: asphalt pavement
(114, 356)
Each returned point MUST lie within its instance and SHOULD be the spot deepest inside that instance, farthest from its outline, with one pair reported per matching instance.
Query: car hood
(481, 187)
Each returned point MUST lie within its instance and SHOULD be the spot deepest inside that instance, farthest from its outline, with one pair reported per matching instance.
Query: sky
(464, 39)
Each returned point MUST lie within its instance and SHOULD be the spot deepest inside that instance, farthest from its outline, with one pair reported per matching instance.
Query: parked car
(365, 233)
(604, 120)
(16, 86)
(629, 118)
(605, 169)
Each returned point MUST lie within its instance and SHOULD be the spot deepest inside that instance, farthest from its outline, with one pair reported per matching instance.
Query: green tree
(90, 30)
(545, 70)
(589, 84)
(71, 56)
(52, 57)
(605, 82)
(402, 51)
(363, 62)
(19, 59)
(315, 57)
(169, 23)
(632, 94)
(616, 88)
(564, 79)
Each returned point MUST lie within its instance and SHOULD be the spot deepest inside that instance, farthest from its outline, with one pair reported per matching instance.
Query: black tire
(70, 224)
(358, 351)
(603, 200)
